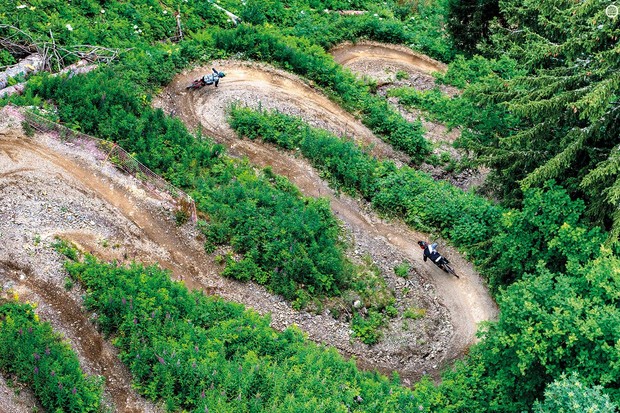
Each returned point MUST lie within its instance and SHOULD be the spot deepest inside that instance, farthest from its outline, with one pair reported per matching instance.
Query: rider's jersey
(210, 79)
(432, 253)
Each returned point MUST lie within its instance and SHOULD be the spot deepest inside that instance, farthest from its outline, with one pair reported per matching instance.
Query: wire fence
(111, 152)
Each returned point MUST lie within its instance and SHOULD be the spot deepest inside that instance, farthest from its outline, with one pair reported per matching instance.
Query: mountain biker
(430, 251)
(213, 78)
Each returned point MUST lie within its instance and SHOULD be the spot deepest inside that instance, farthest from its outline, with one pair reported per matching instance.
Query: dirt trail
(348, 54)
(258, 85)
(466, 299)
(58, 307)
(40, 190)
(394, 66)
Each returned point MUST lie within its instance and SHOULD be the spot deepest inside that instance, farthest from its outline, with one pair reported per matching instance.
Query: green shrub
(570, 394)
(391, 311)
(199, 353)
(413, 313)
(28, 130)
(368, 329)
(402, 269)
(401, 74)
(39, 358)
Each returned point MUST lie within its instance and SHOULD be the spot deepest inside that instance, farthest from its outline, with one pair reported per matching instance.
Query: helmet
(221, 74)
(422, 244)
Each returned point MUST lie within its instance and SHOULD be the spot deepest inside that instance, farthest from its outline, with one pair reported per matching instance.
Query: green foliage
(313, 63)
(542, 105)
(468, 22)
(548, 230)
(570, 394)
(401, 74)
(65, 248)
(199, 353)
(549, 324)
(6, 59)
(110, 24)
(340, 161)
(463, 217)
(39, 358)
(402, 269)
(288, 241)
(462, 72)
(28, 130)
(414, 313)
(181, 216)
(368, 329)
(565, 99)
(391, 311)
(372, 286)
(68, 284)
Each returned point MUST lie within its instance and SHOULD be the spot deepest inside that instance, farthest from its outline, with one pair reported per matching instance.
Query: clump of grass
(402, 269)
(414, 313)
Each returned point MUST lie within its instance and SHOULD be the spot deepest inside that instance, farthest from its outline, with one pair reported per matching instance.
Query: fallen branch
(235, 19)
(19, 42)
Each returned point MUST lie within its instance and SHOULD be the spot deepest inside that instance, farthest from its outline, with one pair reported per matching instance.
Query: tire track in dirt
(21, 268)
(74, 321)
(466, 299)
(348, 54)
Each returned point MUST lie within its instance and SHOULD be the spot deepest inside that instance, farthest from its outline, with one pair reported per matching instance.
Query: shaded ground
(455, 307)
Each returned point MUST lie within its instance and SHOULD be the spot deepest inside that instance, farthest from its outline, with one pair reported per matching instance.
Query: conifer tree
(568, 104)
(468, 21)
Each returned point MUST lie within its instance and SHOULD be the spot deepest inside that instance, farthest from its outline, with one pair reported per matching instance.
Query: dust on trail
(466, 299)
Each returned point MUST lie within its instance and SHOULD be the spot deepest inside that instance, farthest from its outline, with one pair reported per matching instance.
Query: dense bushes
(200, 353)
(109, 24)
(557, 318)
(36, 356)
(313, 63)
(288, 242)
(505, 243)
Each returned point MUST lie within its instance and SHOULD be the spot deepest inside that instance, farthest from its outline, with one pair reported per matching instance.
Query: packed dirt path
(466, 299)
(262, 86)
(394, 66)
(387, 58)
(43, 195)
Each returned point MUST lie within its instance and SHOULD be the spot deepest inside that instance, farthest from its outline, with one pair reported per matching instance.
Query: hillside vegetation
(539, 107)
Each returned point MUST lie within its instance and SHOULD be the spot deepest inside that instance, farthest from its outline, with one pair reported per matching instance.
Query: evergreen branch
(556, 165)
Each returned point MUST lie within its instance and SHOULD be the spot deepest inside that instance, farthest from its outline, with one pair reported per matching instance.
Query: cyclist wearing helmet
(213, 78)
(430, 251)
